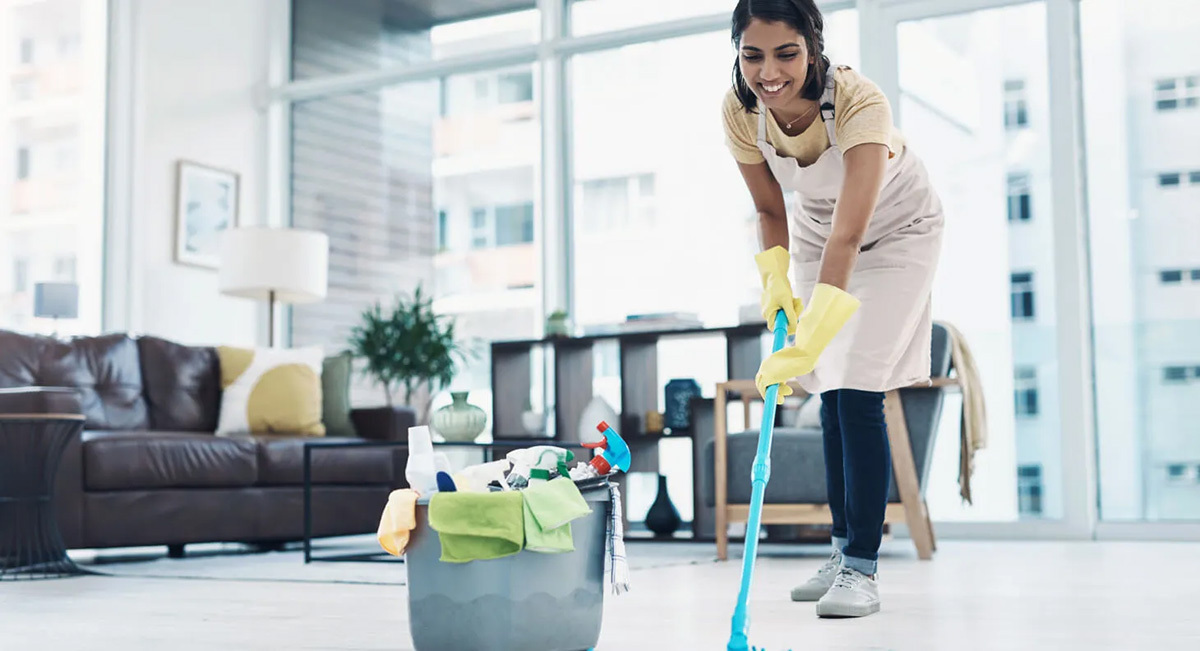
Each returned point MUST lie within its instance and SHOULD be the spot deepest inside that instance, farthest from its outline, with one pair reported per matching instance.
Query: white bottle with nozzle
(421, 470)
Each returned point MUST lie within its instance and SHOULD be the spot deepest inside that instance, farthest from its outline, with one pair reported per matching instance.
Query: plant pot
(663, 518)
(459, 421)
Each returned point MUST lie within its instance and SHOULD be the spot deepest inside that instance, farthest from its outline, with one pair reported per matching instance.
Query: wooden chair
(909, 475)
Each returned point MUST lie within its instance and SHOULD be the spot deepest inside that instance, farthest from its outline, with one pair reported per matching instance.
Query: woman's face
(774, 62)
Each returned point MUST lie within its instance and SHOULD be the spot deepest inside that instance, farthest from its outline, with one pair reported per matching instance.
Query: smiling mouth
(772, 90)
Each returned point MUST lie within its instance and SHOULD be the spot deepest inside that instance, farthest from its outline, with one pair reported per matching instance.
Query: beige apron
(886, 344)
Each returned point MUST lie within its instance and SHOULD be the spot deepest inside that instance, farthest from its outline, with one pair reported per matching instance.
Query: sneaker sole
(846, 610)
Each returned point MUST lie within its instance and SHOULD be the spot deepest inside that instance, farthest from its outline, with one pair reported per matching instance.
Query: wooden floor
(973, 596)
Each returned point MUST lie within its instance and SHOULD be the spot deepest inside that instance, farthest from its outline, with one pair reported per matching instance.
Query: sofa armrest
(383, 423)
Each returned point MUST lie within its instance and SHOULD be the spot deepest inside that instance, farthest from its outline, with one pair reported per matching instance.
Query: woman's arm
(865, 165)
(768, 202)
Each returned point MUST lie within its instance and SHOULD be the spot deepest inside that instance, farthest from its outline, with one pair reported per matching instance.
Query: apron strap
(827, 101)
(762, 123)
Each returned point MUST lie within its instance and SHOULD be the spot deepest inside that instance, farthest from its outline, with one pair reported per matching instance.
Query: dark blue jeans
(858, 472)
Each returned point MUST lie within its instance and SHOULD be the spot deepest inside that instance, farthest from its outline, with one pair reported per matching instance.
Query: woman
(864, 245)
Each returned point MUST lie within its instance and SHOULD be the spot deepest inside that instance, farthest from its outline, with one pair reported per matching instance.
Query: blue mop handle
(759, 477)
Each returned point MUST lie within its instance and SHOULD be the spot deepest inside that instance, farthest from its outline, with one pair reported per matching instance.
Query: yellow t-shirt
(861, 115)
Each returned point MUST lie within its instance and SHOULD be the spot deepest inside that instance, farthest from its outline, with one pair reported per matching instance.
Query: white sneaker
(819, 584)
(853, 594)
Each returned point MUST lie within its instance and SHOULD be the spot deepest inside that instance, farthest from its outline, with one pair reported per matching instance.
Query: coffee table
(310, 447)
(31, 446)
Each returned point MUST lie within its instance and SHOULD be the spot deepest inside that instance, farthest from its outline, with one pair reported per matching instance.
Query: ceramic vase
(663, 518)
(679, 394)
(459, 421)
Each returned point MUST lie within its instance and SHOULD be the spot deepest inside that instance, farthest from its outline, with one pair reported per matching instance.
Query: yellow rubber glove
(777, 290)
(827, 313)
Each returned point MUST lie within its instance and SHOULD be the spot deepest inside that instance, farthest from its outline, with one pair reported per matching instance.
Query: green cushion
(335, 392)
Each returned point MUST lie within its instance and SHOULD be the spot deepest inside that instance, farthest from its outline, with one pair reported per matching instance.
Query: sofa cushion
(20, 355)
(336, 372)
(281, 463)
(145, 460)
(270, 391)
(108, 374)
(183, 385)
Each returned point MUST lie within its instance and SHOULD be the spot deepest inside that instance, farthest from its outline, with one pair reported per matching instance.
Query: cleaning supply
(549, 509)
(525, 460)
(760, 476)
(478, 526)
(614, 454)
(828, 311)
(398, 521)
(477, 477)
(777, 291)
(421, 469)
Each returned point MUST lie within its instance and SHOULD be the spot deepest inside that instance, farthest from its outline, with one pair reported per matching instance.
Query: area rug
(240, 563)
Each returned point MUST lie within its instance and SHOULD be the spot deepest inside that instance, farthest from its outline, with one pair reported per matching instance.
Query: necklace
(801, 117)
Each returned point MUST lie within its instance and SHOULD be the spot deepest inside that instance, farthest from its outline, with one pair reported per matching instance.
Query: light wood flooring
(973, 596)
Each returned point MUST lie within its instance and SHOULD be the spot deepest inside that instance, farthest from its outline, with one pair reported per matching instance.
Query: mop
(760, 475)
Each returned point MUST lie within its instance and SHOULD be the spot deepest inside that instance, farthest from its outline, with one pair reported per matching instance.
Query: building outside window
(1022, 296)
(1025, 391)
(1019, 208)
(1016, 104)
(1174, 93)
(1029, 490)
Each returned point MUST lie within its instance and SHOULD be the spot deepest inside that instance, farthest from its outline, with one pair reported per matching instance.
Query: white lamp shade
(292, 263)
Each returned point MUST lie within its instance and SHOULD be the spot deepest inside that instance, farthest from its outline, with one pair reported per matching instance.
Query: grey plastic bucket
(529, 601)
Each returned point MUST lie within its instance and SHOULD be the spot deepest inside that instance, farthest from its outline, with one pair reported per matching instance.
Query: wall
(184, 79)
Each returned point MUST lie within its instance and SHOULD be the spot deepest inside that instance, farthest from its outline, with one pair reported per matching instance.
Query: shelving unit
(573, 372)
(569, 369)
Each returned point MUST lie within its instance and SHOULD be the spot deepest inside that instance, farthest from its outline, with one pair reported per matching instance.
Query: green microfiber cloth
(549, 510)
(477, 526)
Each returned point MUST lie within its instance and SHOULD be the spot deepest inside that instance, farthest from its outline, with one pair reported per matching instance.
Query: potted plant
(408, 347)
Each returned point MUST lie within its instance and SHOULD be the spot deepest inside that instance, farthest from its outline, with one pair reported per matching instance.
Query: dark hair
(801, 15)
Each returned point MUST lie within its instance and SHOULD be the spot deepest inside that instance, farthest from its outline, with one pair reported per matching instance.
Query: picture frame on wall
(206, 204)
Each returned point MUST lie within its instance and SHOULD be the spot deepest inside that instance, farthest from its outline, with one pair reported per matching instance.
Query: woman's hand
(828, 311)
(777, 290)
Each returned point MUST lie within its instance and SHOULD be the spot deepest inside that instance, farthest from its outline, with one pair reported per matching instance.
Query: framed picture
(206, 204)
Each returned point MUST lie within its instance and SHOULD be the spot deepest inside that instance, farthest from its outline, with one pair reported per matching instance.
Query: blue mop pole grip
(760, 475)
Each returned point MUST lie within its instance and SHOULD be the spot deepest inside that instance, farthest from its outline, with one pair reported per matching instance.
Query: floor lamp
(276, 265)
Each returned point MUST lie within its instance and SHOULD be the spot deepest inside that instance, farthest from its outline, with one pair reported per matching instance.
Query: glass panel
(411, 193)
(52, 130)
(1143, 236)
(348, 36)
(966, 81)
(592, 16)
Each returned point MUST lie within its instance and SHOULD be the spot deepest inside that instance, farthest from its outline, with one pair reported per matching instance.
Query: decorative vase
(459, 421)
(558, 325)
(663, 518)
(534, 422)
(679, 394)
(597, 410)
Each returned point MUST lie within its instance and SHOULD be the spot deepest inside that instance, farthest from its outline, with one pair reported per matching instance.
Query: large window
(429, 182)
(974, 107)
(1140, 108)
(52, 107)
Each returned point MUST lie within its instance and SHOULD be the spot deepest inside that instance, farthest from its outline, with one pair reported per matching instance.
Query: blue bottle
(679, 394)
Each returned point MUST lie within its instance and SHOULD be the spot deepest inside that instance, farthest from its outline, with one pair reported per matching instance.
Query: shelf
(746, 329)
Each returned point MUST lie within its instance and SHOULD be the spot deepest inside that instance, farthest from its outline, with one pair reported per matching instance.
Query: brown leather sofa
(148, 468)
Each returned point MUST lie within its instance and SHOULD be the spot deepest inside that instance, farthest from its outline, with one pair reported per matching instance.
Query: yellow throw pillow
(270, 390)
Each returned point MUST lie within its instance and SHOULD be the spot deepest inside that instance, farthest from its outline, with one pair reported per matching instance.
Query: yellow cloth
(777, 289)
(271, 390)
(861, 115)
(973, 426)
(398, 520)
(827, 313)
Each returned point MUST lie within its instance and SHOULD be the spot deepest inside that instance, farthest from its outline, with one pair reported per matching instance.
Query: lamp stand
(271, 318)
